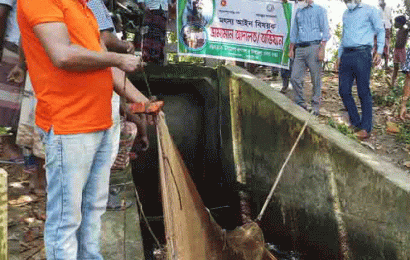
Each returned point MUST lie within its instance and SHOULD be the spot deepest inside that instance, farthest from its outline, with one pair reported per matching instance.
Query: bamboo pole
(3, 214)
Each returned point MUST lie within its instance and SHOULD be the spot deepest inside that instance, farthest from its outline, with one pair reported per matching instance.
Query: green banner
(251, 31)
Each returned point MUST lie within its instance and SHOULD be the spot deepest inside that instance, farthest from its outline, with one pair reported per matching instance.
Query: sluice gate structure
(335, 200)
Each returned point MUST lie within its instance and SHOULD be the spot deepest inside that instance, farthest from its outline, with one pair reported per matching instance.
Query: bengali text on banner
(254, 31)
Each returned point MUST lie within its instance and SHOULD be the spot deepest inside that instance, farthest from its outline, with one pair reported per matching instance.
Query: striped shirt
(155, 4)
(359, 27)
(102, 15)
(310, 24)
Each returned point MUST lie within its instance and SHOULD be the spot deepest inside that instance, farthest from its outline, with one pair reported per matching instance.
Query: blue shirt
(310, 24)
(360, 25)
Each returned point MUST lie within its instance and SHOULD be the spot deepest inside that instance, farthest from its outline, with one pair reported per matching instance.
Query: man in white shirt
(386, 13)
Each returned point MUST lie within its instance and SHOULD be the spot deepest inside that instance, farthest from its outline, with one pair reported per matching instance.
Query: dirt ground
(26, 217)
(27, 211)
(386, 125)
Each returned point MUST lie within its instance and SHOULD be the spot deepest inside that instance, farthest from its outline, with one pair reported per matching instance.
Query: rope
(136, 192)
(146, 82)
(165, 158)
(146, 220)
(269, 198)
(141, 210)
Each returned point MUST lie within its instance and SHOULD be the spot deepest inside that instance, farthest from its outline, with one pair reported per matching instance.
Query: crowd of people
(77, 135)
(365, 42)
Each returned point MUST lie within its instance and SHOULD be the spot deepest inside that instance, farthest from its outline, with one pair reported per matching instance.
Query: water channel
(193, 122)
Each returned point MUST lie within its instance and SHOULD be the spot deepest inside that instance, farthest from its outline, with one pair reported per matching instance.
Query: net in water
(191, 232)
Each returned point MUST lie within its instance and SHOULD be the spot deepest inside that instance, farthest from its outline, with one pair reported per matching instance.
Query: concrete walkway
(121, 235)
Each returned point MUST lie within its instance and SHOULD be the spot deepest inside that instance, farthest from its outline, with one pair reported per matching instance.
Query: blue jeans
(357, 65)
(77, 171)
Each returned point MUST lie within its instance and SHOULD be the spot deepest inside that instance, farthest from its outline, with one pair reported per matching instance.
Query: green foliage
(338, 35)
(342, 128)
(172, 37)
(404, 135)
(378, 74)
(5, 130)
(393, 98)
(394, 95)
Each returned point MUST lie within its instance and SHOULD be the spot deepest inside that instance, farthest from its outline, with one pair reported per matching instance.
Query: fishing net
(191, 232)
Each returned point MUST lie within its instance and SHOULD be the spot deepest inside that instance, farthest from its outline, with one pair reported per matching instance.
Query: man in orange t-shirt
(71, 75)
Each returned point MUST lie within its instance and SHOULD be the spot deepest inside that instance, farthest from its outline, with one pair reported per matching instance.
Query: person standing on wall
(308, 36)
(360, 23)
(386, 15)
(399, 53)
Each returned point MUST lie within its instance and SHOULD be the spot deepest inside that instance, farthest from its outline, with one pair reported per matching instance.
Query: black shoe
(313, 111)
(284, 90)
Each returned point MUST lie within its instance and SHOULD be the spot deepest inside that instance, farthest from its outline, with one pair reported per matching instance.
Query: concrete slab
(121, 235)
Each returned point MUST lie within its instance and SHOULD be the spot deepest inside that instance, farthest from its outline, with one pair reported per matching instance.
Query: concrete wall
(336, 199)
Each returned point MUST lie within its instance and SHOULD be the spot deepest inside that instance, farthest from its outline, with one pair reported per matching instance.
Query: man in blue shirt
(308, 36)
(361, 23)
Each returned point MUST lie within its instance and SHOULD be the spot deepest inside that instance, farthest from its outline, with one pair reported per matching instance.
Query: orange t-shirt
(70, 102)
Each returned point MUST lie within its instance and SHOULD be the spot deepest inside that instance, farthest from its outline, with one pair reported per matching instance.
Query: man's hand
(291, 53)
(130, 47)
(337, 63)
(16, 74)
(377, 59)
(141, 142)
(321, 53)
(130, 63)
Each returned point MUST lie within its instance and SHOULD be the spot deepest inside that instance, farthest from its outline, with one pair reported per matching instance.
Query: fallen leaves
(21, 201)
(26, 217)
(392, 128)
(406, 164)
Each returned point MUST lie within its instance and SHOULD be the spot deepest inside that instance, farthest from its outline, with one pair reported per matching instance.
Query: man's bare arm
(114, 44)
(65, 55)
(125, 88)
(130, 93)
